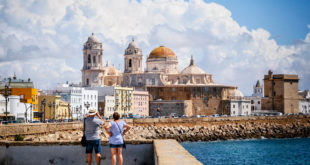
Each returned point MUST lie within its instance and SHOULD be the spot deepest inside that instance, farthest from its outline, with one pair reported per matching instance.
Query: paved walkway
(170, 152)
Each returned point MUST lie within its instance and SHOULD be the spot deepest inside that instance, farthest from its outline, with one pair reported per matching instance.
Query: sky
(235, 41)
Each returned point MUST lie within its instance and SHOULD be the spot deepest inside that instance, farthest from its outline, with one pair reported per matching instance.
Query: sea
(255, 151)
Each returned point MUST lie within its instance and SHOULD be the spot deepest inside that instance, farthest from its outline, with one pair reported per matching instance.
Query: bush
(19, 138)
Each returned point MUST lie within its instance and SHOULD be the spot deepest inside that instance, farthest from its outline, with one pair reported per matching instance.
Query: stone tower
(257, 90)
(92, 61)
(133, 58)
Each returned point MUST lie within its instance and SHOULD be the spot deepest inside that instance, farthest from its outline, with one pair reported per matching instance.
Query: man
(92, 123)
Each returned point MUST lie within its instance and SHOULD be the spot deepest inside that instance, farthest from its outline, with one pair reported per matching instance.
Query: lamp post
(43, 103)
(26, 115)
(87, 105)
(77, 111)
(7, 91)
(69, 111)
(50, 106)
(100, 112)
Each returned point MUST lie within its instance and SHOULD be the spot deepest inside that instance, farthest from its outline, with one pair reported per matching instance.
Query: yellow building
(124, 101)
(54, 108)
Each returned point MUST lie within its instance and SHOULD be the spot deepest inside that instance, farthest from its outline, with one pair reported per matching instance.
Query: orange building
(26, 91)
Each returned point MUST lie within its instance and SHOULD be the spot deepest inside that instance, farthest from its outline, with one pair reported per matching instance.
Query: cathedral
(161, 68)
(162, 78)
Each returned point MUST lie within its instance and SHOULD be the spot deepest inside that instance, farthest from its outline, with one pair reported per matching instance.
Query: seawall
(182, 129)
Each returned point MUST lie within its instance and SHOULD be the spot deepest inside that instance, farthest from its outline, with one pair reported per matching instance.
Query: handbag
(124, 144)
(83, 140)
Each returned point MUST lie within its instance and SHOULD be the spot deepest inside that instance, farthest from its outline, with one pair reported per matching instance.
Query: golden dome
(161, 52)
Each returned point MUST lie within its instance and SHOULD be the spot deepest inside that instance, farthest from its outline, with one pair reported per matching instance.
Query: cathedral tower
(258, 90)
(92, 61)
(133, 58)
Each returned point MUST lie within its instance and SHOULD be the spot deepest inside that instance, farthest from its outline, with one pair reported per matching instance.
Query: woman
(116, 131)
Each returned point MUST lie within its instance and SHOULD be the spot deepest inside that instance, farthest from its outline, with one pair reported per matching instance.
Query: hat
(92, 111)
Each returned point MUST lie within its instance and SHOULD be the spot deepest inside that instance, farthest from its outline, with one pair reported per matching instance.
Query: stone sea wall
(188, 129)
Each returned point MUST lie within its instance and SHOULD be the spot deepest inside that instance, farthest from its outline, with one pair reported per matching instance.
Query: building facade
(168, 107)
(140, 103)
(304, 102)
(256, 98)
(16, 110)
(281, 93)
(26, 91)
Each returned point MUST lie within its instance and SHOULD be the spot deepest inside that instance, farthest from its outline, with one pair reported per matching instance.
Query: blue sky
(286, 20)
(235, 41)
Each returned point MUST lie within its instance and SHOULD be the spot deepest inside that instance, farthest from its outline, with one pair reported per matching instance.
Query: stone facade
(93, 72)
(206, 99)
(167, 107)
(281, 93)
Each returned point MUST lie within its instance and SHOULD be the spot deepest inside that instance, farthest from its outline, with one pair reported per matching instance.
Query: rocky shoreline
(203, 131)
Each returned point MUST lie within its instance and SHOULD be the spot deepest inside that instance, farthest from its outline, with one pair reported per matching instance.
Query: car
(173, 115)
(216, 115)
(184, 116)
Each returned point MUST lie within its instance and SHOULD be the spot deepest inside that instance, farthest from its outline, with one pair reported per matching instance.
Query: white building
(239, 105)
(256, 98)
(78, 98)
(304, 103)
(109, 106)
(16, 109)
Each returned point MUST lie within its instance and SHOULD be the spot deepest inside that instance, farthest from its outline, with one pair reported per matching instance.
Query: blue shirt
(92, 125)
(117, 132)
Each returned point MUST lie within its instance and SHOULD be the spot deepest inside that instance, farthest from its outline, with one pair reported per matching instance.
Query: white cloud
(43, 39)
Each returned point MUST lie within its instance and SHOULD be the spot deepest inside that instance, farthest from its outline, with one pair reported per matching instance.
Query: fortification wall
(187, 129)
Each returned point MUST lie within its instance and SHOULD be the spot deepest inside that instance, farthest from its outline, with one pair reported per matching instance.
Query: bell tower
(133, 58)
(92, 61)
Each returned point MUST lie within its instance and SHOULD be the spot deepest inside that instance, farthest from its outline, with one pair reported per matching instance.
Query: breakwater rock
(189, 129)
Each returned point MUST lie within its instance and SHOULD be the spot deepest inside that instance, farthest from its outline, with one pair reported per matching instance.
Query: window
(87, 81)
(129, 64)
(252, 101)
(94, 59)
(234, 106)
(153, 81)
(258, 102)
(89, 59)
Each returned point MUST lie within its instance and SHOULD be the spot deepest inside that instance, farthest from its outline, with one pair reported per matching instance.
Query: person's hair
(115, 115)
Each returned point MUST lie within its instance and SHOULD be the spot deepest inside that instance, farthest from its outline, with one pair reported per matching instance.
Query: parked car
(173, 115)
(184, 116)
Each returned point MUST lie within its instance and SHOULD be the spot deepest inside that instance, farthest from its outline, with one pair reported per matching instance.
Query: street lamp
(26, 115)
(87, 105)
(50, 106)
(77, 111)
(44, 103)
(100, 112)
(7, 91)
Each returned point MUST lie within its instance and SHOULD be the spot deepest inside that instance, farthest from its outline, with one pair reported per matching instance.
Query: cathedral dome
(236, 93)
(93, 38)
(192, 69)
(133, 45)
(161, 52)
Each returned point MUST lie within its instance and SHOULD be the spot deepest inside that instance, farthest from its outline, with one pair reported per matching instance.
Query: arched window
(129, 63)
(94, 59)
(89, 59)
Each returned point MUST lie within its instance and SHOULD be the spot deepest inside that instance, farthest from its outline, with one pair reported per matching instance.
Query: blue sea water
(258, 151)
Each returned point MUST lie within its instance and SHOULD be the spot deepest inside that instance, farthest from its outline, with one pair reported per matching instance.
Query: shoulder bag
(124, 144)
(83, 141)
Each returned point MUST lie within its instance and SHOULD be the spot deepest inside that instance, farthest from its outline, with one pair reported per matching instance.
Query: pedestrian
(116, 131)
(93, 121)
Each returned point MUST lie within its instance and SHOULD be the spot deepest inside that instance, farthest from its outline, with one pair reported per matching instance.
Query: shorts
(93, 144)
(116, 145)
